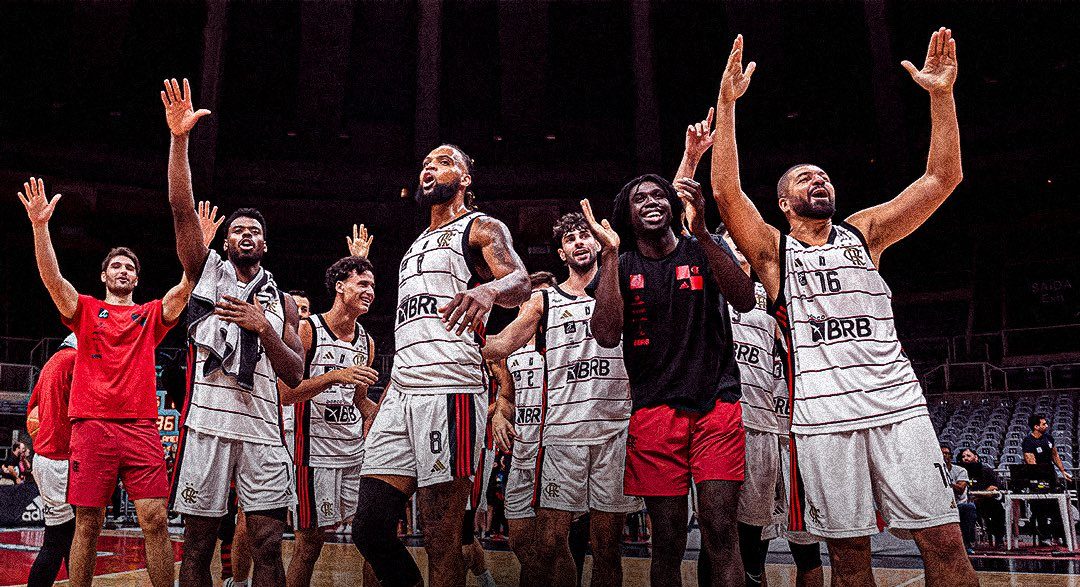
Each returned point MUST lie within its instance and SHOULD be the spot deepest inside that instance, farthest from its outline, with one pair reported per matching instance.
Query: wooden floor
(340, 566)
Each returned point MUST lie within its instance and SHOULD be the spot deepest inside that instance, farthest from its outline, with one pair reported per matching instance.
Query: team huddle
(751, 375)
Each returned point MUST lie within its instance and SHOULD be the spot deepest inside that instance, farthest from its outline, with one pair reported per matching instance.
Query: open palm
(179, 113)
(38, 206)
(735, 80)
(602, 231)
(938, 73)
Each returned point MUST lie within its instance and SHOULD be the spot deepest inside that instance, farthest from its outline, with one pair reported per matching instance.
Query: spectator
(17, 466)
(990, 509)
(958, 478)
(1039, 449)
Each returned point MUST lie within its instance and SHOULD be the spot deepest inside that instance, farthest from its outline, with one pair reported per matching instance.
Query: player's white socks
(486, 580)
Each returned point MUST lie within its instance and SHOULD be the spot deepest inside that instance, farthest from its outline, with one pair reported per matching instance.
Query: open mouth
(819, 193)
(653, 215)
(582, 254)
(427, 181)
(247, 245)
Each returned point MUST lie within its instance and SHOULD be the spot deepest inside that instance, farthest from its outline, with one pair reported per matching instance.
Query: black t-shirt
(1040, 447)
(676, 331)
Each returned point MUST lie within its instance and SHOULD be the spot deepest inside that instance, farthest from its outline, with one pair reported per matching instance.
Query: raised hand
(207, 223)
(602, 231)
(360, 242)
(38, 206)
(689, 192)
(699, 136)
(179, 113)
(938, 73)
(735, 80)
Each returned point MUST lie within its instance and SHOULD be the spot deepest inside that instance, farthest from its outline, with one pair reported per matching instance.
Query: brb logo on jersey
(746, 353)
(341, 414)
(418, 305)
(528, 415)
(587, 368)
(833, 329)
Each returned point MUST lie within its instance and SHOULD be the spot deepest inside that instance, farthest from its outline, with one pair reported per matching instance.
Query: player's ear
(562, 255)
(102, 277)
(339, 287)
(785, 207)
(466, 180)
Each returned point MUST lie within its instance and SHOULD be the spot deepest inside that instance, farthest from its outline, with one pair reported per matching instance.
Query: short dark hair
(121, 252)
(620, 215)
(946, 447)
(246, 213)
(781, 184)
(343, 268)
(298, 292)
(567, 223)
(1034, 419)
(538, 278)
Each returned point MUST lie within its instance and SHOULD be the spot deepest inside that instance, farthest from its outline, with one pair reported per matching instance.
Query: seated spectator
(1039, 449)
(990, 509)
(17, 467)
(958, 478)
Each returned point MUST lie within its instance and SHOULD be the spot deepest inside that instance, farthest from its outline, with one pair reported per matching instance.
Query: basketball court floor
(121, 563)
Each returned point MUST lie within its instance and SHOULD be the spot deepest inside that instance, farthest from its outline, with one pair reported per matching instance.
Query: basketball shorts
(326, 497)
(102, 450)
(668, 447)
(583, 478)
(478, 500)
(895, 470)
(519, 493)
(206, 465)
(52, 481)
(758, 495)
(432, 438)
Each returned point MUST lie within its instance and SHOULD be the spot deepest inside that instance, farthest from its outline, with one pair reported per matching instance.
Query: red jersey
(50, 395)
(114, 369)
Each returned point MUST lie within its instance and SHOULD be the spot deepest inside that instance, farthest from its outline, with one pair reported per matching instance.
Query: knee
(723, 528)
(154, 520)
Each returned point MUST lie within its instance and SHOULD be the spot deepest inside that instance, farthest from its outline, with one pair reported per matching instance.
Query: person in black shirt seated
(1039, 449)
(990, 509)
(664, 298)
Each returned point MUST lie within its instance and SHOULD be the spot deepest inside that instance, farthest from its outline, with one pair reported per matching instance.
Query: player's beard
(581, 268)
(244, 259)
(119, 290)
(814, 209)
(439, 194)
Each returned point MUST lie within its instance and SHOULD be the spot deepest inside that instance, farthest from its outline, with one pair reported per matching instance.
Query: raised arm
(360, 243)
(40, 209)
(518, 332)
(887, 223)
(734, 283)
(181, 118)
(176, 299)
(508, 288)
(607, 319)
(754, 237)
(699, 137)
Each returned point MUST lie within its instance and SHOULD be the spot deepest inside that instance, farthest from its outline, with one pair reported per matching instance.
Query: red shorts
(668, 447)
(102, 450)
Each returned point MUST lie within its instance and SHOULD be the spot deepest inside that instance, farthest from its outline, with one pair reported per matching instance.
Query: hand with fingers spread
(39, 208)
(602, 231)
(250, 317)
(179, 113)
(360, 242)
(699, 136)
(468, 309)
(735, 80)
(502, 431)
(689, 191)
(207, 222)
(938, 73)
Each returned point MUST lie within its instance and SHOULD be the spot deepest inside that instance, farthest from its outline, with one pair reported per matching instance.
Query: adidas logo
(329, 356)
(438, 467)
(35, 511)
(566, 314)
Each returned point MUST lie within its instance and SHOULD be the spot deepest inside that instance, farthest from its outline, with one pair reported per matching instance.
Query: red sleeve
(76, 321)
(161, 328)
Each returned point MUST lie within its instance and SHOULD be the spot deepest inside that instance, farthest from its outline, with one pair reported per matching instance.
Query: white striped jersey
(217, 405)
(850, 372)
(428, 359)
(329, 429)
(781, 394)
(588, 392)
(754, 335)
(526, 366)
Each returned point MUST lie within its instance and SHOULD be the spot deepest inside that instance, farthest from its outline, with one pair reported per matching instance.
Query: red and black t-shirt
(676, 331)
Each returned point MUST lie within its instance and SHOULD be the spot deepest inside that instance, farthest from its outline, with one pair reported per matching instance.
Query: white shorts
(478, 500)
(52, 480)
(758, 496)
(895, 470)
(519, 493)
(326, 497)
(583, 478)
(206, 464)
(432, 438)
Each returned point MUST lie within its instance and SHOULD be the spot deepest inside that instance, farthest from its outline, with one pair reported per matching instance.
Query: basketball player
(515, 426)
(52, 448)
(302, 301)
(427, 433)
(113, 404)
(584, 418)
(854, 394)
(664, 296)
(331, 405)
(242, 330)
